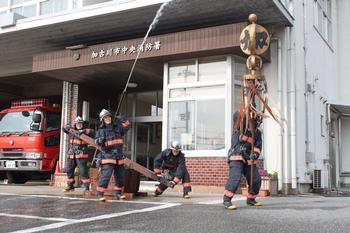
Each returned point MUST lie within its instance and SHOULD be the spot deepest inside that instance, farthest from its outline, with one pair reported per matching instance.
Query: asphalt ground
(38, 208)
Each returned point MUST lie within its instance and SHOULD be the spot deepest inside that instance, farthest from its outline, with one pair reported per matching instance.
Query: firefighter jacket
(79, 148)
(241, 145)
(110, 138)
(166, 160)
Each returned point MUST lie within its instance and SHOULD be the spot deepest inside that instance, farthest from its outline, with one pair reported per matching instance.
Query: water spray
(151, 26)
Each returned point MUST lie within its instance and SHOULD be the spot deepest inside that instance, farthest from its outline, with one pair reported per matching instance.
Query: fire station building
(186, 83)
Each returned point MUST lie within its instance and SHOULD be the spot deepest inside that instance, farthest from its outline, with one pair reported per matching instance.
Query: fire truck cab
(29, 140)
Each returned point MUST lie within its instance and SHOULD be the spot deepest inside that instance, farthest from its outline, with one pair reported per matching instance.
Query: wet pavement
(39, 208)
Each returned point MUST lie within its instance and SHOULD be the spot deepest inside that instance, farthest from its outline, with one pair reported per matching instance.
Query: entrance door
(144, 140)
(148, 142)
(143, 133)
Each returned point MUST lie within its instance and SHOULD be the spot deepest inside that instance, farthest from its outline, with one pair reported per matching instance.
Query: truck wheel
(14, 178)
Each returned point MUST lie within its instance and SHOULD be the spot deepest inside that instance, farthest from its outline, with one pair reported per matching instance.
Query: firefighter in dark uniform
(172, 163)
(111, 159)
(78, 155)
(241, 158)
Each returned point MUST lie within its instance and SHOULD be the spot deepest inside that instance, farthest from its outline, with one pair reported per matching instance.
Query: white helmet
(175, 145)
(78, 119)
(104, 113)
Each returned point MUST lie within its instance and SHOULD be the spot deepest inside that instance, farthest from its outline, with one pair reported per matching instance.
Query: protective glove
(160, 178)
(254, 156)
(121, 118)
(65, 130)
(98, 162)
(81, 131)
(172, 184)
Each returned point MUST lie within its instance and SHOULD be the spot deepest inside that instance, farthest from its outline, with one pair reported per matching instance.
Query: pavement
(37, 207)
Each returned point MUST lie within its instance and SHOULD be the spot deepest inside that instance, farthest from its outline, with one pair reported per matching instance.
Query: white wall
(343, 15)
(311, 60)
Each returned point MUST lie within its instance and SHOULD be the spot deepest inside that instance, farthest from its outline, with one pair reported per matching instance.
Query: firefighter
(78, 155)
(171, 162)
(111, 159)
(241, 158)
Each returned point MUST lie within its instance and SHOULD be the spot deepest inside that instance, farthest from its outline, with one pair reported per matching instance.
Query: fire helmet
(175, 145)
(78, 119)
(104, 113)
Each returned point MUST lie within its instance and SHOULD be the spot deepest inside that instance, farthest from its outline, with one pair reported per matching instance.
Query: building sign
(119, 51)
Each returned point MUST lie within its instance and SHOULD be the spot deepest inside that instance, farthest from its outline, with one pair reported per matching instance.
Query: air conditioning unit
(317, 179)
(9, 19)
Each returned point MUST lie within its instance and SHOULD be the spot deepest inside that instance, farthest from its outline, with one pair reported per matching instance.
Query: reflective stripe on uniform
(159, 190)
(118, 188)
(100, 189)
(78, 156)
(114, 142)
(240, 157)
(188, 184)
(120, 161)
(251, 196)
(77, 142)
(228, 193)
(70, 180)
(247, 139)
(112, 161)
(177, 180)
(157, 170)
(86, 181)
(257, 150)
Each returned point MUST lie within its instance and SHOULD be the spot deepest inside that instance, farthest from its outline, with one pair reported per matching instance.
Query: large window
(53, 6)
(323, 18)
(15, 122)
(196, 94)
(53, 121)
(32, 8)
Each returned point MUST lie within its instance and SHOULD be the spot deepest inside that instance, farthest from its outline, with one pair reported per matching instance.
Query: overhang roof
(108, 22)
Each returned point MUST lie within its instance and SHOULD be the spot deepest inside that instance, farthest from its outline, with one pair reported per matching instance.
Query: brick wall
(211, 171)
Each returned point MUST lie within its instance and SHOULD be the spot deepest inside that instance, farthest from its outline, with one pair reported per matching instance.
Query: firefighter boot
(228, 204)
(157, 193)
(186, 195)
(86, 187)
(119, 195)
(68, 189)
(101, 197)
(253, 202)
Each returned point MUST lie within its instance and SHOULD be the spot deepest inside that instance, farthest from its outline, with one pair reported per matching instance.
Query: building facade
(187, 80)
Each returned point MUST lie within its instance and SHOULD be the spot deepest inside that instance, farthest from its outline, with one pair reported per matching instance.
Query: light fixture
(132, 85)
(75, 47)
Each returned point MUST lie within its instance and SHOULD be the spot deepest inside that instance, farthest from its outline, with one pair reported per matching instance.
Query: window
(26, 8)
(212, 69)
(26, 11)
(240, 71)
(323, 18)
(15, 122)
(182, 123)
(53, 6)
(3, 3)
(53, 121)
(196, 109)
(92, 2)
(182, 72)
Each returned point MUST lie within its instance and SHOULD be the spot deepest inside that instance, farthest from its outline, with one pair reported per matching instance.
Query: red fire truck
(29, 140)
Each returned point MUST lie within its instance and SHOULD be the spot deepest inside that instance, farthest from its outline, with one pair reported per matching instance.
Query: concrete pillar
(69, 112)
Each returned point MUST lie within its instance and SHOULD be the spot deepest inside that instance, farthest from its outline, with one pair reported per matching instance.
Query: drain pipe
(286, 158)
(292, 109)
(279, 97)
